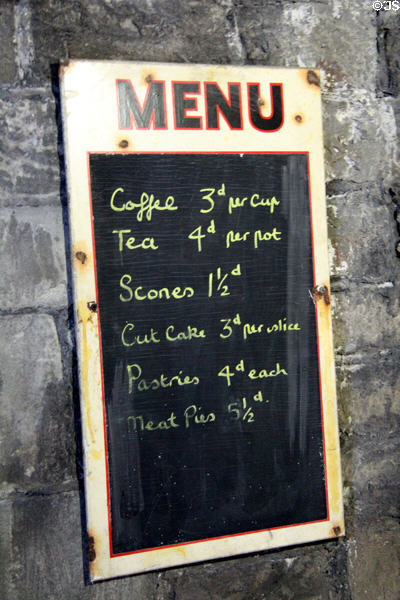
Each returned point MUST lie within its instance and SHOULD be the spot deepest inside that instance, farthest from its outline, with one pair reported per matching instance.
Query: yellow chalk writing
(147, 243)
(145, 207)
(135, 380)
(140, 294)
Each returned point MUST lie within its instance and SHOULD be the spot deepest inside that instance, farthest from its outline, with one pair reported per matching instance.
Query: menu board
(203, 323)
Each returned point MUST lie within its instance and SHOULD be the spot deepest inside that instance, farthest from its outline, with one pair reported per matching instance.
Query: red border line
(112, 555)
(221, 537)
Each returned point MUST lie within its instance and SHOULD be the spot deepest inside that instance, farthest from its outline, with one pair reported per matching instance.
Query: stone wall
(357, 51)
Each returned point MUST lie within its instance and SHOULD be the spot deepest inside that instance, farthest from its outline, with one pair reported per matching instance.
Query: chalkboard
(209, 348)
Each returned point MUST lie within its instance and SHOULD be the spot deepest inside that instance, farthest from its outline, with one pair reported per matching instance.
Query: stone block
(366, 319)
(360, 139)
(369, 417)
(285, 575)
(32, 263)
(5, 546)
(258, 27)
(396, 108)
(29, 171)
(368, 386)
(376, 459)
(8, 69)
(159, 31)
(315, 35)
(374, 560)
(47, 561)
(363, 236)
(36, 415)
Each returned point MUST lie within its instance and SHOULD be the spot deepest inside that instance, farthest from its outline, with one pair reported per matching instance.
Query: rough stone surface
(5, 546)
(360, 149)
(46, 539)
(357, 51)
(193, 31)
(32, 258)
(274, 33)
(389, 52)
(376, 470)
(36, 419)
(291, 575)
(8, 69)
(351, 236)
(374, 574)
(46, 555)
(369, 384)
(366, 318)
(29, 164)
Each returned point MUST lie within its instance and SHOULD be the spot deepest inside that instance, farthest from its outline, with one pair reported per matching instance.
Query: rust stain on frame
(91, 548)
(336, 531)
(322, 298)
(93, 555)
(148, 76)
(85, 321)
(81, 256)
(313, 78)
(321, 291)
(123, 144)
(92, 306)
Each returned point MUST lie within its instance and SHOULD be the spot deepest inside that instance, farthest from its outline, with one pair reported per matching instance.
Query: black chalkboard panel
(211, 381)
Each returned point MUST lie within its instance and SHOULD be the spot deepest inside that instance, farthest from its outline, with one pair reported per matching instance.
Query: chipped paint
(65, 66)
(313, 78)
